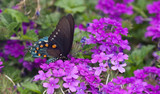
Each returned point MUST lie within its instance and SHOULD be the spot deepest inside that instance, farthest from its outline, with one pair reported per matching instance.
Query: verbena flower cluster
(146, 80)
(153, 30)
(1, 65)
(107, 34)
(115, 8)
(74, 75)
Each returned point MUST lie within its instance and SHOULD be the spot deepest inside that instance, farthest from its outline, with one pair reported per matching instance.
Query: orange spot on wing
(54, 46)
(44, 55)
(35, 51)
(41, 46)
(37, 48)
(46, 45)
(39, 54)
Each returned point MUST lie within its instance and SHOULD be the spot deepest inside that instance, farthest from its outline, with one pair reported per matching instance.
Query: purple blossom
(72, 73)
(119, 80)
(137, 87)
(45, 66)
(3, 55)
(42, 75)
(135, 84)
(99, 58)
(80, 90)
(14, 48)
(58, 73)
(93, 80)
(71, 84)
(154, 7)
(1, 65)
(120, 57)
(102, 67)
(140, 74)
(114, 8)
(109, 87)
(138, 19)
(153, 30)
(51, 85)
(106, 33)
(0, 11)
(118, 66)
(28, 65)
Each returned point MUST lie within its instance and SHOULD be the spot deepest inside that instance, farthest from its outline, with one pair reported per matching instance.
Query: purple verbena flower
(115, 8)
(117, 65)
(1, 65)
(14, 48)
(140, 74)
(138, 19)
(102, 67)
(99, 58)
(51, 85)
(153, 30)
(0, 11)
(71, 84)
(42, 75)
(137, 87)
(80, 90)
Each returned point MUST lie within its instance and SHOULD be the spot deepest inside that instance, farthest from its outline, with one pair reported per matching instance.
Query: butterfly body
(59, 43)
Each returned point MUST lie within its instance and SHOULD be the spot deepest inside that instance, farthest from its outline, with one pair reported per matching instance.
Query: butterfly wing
(62, 37)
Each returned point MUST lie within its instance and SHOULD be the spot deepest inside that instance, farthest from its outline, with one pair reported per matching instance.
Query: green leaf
(12, 25)
(137, 56)
(30, 35)
(71, 6)
(23, 91)
(17, 15)
(28, 57)
(32, 87)
(158, 53)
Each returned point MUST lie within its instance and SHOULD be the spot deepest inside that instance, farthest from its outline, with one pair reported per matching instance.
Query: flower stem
(62, 90)
(10, 79)
(44, 91)
(139, 11)
(107, 78)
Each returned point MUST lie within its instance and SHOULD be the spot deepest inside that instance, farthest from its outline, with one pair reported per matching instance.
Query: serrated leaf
(17, 15)
(5, 19)
(30, 35)
(12, 25)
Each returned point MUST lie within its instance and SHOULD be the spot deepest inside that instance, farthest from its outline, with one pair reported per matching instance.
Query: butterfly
(58, 44)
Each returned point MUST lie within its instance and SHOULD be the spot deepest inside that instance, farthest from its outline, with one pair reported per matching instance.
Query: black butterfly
(59, 43)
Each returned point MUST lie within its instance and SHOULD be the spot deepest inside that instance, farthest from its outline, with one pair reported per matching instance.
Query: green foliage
(48, 23)
(13, 73)
(51, 11)
(138, 55)
(137, 59)
(6, 86)
(71, 6)
(31, 87)
(28, 57)
(30, 35)
(10, 21)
